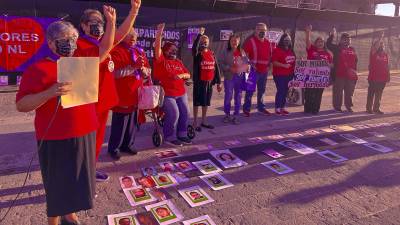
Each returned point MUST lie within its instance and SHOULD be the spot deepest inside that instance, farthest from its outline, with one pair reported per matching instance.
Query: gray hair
(56, 29)
(88, 12)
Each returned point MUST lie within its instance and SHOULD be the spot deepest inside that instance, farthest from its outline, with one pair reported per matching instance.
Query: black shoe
(208, 126)
(315, 113)
(338, 110)
(129, 150)
(101, 177)
(198, 129)
(369, 111)
(115, 154)
(64, 221)
(175, 143)
(379, 112)
(185, 140)
(350, 110)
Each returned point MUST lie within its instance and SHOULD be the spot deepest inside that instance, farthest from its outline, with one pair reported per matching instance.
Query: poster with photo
(298, 147)
(146, 181)
(170, 153)
(184, 166)
(353, 138)
(202, 220)
(224, 35)
(165, 212)
(138, 196)
(332, 156)
(207, 166)
(127, 182)
(329, 141)
(216, 181)
(378, 147)
(227, 158)
(274, 35)
(164, 180)
(149, 171)
(167, 166)
(277, 167)
(272, 153)
(195, 196)
(126, 218)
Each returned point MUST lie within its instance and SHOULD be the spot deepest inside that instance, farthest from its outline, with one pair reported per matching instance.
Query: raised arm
(308, 31)
(329, 43)
(128, 23)
(107, 41)
(157, 43)
(196, 43)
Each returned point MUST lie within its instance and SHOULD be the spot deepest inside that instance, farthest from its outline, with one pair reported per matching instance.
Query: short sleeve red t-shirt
(207, 66)
(68, 123)
(314, 54)
(379, 67)
(167, 71)
(285, 57)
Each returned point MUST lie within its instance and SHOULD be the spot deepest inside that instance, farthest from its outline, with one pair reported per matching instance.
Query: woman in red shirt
(316, 51)
(283, 61)
(379, 75)
(172, 74)
(66, 137)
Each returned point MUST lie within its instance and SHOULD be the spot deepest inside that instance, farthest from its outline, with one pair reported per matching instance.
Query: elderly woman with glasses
(66, 136)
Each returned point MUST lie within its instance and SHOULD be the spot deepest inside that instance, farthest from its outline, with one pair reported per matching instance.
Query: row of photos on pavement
(148, 190)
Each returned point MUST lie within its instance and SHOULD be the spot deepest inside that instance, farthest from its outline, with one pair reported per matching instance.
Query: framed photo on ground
(195, 196)
(216, 181)
(138, 196)
(165, 212)
(227, 158)
(328, 154)
(127, 182)
(207, 166)
(277, 167)
(164, 180)
(126, 218)
(297, 146)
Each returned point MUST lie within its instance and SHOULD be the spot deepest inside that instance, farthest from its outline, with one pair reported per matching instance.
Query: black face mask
(96, 30)
(262, 34)
(65, 47)
(287, 43)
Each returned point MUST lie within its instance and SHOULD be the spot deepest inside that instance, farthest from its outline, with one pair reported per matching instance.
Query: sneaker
(379, 112)
(175, 143)
(227, 119)
(284, 112)
(264, 111)
(185, 140)
(208, 126)
(246, 113)
(101, 177)
(115, 154)
(129, 150)
(235, 121)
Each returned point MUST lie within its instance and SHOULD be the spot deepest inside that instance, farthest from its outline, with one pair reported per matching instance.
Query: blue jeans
(261, 85)
(176, 111)
(282, 88)
(233, 88)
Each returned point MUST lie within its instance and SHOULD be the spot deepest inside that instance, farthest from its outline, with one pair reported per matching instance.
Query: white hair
(56, 30)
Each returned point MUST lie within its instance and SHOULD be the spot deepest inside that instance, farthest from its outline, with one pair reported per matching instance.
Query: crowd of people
(70, 139)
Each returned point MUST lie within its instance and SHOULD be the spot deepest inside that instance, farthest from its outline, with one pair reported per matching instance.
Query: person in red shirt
(131, 67)
(65, 136)
(206, 74)
(316, 51)
(258, 50)
(379, 75)
(172, 74)
(283, 61)
(92, 24)
(344, 74)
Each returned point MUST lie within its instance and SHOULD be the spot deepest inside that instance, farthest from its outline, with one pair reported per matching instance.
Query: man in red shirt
(344, 71)
(379, 75)
(92, 25)
(258, 50)
(131, 66)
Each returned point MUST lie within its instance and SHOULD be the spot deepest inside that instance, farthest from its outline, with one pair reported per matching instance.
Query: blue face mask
(65, 47)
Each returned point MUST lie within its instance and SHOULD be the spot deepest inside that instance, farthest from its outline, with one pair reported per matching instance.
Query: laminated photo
(272, 153)
(164, 180)
(127, 182)
(227, 158)
(195, 196)
(353, 138)
(202, 220)
(332, 156)
(167, 166)
(207, 166)
(165, 212)
(216, 181)
(298, 147)
(277, 167)
(126, 218)
(170, 153)
(138, 196)
(184, 166)
(149, 171)
(378, 147)
(146, 181)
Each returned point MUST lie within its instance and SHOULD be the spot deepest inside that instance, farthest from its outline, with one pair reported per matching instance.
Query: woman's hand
(160, 27)
(219, 87)
(59, 89)
(308, 28)
(110, 14)
(135, 4)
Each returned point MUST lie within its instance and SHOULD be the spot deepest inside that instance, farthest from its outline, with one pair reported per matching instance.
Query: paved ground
(363, 190)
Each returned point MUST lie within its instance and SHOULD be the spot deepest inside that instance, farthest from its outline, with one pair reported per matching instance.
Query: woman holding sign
(66, 136)
(316, 51)
(283, 61)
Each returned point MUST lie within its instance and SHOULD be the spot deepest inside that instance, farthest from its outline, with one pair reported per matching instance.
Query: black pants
(343, 87)
(375, 90)
(123, 131)
(312, 99)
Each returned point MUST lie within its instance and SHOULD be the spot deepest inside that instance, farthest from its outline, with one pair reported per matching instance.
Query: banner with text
(311, 74)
